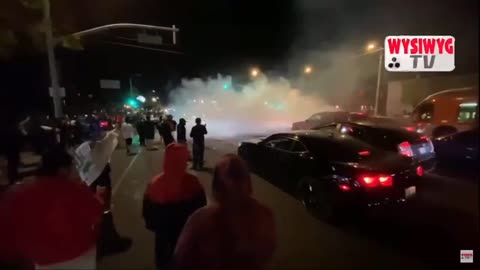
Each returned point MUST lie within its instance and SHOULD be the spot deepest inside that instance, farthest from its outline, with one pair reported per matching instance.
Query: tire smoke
(260, 107)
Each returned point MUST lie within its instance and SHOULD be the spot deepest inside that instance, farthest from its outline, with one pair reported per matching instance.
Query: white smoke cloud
(262, 106)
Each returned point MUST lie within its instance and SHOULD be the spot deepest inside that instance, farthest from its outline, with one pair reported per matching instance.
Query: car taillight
(411, 129)
(420, 171)
(344, 187)
(104, 124)
(405, 149)
(364, 153)
(371, 181)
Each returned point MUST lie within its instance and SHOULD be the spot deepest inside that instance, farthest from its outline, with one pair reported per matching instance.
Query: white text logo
(419, 53)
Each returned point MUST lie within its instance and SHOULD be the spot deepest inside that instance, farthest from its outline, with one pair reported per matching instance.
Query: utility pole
(54, 83)
(51, 42)
(379, 80)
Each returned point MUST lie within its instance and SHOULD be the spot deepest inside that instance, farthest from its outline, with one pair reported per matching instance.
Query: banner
(92, 157)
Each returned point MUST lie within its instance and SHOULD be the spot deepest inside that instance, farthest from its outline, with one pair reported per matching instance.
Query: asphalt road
(425, 235)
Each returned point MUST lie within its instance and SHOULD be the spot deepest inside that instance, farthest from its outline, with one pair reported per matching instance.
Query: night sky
(222, 36)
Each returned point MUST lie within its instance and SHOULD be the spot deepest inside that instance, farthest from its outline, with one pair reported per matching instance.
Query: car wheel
(318, 200)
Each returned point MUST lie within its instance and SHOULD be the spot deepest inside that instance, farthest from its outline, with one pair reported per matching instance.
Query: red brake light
(371, 181)
(420, 171)
(344, 187)
(103, 124)
(405, 149)
(411, 129)
(364, 153)
(386, 180)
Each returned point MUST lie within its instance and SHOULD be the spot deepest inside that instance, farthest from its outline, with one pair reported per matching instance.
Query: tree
(22, 24)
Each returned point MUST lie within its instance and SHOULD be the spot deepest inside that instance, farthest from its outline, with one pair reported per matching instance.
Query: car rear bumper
(381, 197)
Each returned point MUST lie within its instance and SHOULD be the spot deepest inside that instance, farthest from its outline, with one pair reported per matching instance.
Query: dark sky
(229, 36)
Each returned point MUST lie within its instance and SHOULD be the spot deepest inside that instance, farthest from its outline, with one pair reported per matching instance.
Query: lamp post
(372, 48)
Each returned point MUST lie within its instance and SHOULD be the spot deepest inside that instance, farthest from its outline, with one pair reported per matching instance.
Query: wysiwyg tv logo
(419, 53)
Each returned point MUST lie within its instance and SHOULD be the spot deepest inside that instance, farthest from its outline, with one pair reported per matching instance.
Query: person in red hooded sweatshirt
(236, 232)
(51, 221)
(169, 200)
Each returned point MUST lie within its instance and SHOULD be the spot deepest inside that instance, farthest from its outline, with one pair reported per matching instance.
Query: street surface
(424, 235)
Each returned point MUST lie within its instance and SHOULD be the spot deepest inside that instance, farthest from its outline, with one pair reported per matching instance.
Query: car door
(277, 154)
(293, 164)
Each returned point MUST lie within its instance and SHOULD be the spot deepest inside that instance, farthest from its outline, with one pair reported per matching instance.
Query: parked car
(459, 150)
(410, 144)
(332, 174)
(389, 122)
(325, 118)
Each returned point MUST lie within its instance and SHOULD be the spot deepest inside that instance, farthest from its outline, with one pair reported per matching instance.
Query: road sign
(149, 39)
(110, 84)
(61, 92)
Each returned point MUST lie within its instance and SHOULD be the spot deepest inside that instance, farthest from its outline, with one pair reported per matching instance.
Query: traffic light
(226, 86)
(132, 103)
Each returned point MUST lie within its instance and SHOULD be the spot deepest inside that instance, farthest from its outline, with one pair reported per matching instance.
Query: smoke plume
(261, 106)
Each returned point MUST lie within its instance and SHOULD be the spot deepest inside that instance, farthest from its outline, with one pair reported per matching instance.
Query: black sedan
(332, 173)
(459, 150)
(398, 140)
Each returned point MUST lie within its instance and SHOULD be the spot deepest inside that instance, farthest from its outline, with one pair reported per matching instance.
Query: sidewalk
(28, 163)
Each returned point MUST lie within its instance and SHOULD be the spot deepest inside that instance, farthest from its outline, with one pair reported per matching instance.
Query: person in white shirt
(128, 132)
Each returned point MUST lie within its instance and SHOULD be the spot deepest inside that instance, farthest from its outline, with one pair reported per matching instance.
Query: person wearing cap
(182, 131)
(170, 198)
(51, 221)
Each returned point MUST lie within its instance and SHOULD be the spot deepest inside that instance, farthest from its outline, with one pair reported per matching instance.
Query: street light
(307, 70)
(254, 72)
(372, 48)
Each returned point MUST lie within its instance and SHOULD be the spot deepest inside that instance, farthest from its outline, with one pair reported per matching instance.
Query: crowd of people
(145, 128)
(57, 221)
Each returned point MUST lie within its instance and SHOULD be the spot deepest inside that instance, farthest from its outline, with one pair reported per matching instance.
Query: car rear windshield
(344, 148)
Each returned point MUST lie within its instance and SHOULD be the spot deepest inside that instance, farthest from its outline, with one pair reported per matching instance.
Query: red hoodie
(174, 184)
(48, 220)
(172, 196)
(237, 233)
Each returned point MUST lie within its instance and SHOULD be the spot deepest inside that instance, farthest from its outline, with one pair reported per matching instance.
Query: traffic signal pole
(55, 85)
(51, 41)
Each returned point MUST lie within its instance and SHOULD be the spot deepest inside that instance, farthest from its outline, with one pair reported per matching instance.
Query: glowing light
(473, 104)
(371, 46)
(154, 99)
(254, 72)
(307, 70)
(201, 101)
(141, 99)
